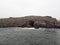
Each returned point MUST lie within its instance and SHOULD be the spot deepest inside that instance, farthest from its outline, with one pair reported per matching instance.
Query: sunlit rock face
(30, 21)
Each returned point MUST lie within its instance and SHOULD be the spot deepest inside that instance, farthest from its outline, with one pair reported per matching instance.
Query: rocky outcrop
(58, 24)
(30, 21)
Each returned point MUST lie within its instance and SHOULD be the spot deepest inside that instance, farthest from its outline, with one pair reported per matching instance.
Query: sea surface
(29, 36)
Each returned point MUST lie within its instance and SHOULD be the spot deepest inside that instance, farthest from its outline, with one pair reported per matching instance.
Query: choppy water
(29, 36)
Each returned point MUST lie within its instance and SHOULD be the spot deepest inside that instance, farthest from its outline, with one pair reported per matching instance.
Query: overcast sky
(18, 8)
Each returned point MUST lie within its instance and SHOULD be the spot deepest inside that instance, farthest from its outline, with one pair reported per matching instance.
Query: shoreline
(29, 27)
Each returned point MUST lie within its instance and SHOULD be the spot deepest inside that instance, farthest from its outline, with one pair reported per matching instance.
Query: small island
(30, 21)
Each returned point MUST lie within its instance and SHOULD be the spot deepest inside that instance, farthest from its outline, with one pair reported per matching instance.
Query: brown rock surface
(30, 21)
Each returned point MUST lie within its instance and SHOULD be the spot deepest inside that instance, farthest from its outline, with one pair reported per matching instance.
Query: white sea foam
(28, 28)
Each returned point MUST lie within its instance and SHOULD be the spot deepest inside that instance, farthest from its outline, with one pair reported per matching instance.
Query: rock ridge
(30, 21)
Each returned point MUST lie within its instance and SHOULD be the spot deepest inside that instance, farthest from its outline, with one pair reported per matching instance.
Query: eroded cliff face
(30, 21)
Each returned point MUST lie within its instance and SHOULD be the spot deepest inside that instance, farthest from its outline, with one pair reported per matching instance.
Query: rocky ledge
(30, 21)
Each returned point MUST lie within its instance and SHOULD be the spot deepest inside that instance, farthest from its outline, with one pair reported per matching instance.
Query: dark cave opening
(31, 23)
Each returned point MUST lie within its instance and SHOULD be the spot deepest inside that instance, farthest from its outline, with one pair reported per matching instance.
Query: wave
(28, 28)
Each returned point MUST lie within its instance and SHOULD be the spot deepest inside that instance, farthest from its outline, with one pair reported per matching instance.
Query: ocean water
(29, 36)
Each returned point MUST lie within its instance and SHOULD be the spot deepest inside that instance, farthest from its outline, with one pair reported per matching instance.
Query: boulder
(36, 25)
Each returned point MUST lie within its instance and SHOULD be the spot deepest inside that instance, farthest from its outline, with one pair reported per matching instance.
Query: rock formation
(30, 21)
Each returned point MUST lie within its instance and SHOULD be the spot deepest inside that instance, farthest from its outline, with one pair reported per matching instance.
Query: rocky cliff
(30, 21)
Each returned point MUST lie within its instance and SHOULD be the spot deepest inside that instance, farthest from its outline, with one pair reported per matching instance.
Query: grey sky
(18, 8)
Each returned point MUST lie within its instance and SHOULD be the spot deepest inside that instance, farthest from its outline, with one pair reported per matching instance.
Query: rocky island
(30, 21)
